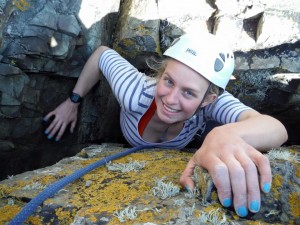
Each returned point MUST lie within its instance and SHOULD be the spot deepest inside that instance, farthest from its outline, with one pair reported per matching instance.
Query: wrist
(75, 98)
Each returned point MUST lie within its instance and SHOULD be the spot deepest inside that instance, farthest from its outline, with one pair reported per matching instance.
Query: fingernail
(226, 202)
(267, 187)
(56, 139)
(49, 137)
(254, 206)
(46, 131)
(242, 211)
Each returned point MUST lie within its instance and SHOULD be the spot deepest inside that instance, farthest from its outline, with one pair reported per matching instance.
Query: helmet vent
(218, 64)
(222, 56)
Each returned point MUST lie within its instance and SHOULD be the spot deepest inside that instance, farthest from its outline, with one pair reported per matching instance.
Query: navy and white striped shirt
(135, 91)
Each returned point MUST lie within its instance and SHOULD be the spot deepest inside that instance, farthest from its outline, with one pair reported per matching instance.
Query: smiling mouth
(170, 109)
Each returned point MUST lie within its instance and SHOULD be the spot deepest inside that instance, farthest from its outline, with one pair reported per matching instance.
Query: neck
(164, 134)
(165, 129)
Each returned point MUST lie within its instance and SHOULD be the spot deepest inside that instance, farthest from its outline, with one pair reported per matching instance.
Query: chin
(169, 119)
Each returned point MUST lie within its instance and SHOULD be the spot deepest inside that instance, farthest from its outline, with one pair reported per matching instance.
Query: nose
(172, 97)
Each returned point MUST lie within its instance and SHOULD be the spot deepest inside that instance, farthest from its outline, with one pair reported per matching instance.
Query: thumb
(186, 177)
(47, 117)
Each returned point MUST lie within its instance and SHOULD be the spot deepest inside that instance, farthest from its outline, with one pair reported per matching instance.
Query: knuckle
(238, 173)
(249, 167)
(240, 198)
(263, 160)
(253, 191)
(219, 170)
(224, 192)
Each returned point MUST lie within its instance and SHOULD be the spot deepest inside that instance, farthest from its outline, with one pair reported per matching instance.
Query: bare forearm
(90, 74)
(260, 131)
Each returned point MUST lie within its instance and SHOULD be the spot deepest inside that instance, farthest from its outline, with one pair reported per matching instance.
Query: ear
(208, 100)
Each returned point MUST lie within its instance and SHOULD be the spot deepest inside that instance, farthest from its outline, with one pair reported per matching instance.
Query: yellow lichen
(8, 212)
(34, 220)
(101, 192)
(297, 171)
(21, 4)
(211, 207)
(108, 191)
(45, 179)
(214, 196)
(64, 216)
(276, 185)
(294, 202)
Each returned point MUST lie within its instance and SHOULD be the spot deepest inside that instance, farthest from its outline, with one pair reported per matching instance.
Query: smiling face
(179, 93)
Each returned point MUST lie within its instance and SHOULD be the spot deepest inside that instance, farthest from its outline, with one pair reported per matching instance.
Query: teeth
(170, 109)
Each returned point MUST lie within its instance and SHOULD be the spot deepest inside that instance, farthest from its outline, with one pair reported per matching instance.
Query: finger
(48, 116)
(185, 178)
(50, 128)
(45, 120)
(61, 132)
(72, 127)
(55, 129)
(238, 185)
(221, 179)
(252, 182)
(263, 165)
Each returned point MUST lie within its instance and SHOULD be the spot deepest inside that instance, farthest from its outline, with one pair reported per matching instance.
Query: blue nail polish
(56, 139)
(242, 211)
(227, 202)
(267, 187)
(254, 206)
(49, 137)
(188, 189)
(46, 132)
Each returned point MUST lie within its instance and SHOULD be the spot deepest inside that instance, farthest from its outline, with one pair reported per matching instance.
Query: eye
(168, 82)
(189, 94)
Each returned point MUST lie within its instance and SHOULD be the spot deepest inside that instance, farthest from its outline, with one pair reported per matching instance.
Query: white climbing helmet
(206, 54)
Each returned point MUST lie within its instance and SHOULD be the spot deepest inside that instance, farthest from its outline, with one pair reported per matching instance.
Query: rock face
(143, 188)
(45, 44)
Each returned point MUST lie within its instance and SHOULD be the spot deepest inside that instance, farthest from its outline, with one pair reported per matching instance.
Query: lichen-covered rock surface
(44, 45)
(143, 188)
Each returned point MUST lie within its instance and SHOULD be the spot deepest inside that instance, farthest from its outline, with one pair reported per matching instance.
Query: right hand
(64, 114)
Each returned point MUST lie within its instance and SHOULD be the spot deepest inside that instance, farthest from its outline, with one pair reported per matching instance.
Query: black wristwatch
(76, 98)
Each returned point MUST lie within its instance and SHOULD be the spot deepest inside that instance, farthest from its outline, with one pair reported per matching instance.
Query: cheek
(190, 107)
(161, 90)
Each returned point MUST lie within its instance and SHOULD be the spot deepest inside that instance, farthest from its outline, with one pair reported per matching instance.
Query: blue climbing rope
(31, 206)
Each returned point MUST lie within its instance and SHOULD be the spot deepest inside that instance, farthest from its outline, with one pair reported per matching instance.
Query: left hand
(237, 169)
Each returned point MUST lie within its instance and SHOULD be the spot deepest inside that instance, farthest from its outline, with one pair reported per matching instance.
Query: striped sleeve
(124, 79)
(226, 109)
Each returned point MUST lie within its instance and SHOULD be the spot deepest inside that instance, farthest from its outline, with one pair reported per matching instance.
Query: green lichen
(126, 167)
(164, 190)
(282, 154)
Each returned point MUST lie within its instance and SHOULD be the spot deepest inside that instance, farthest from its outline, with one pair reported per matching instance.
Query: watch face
(75, 98)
